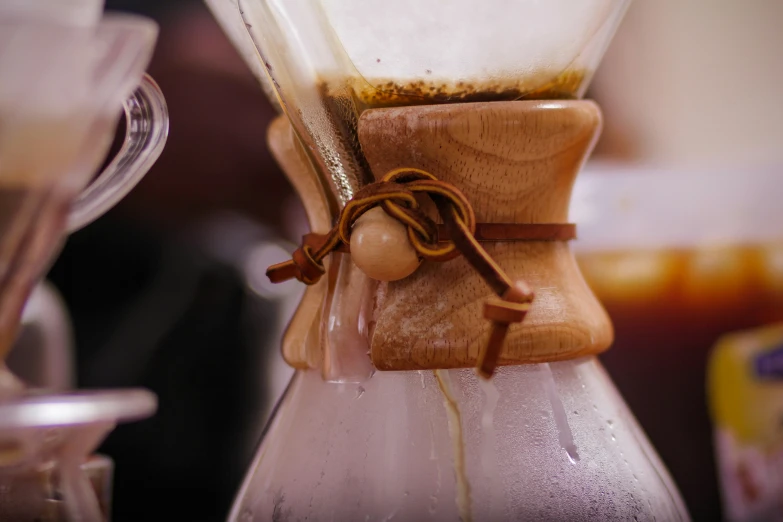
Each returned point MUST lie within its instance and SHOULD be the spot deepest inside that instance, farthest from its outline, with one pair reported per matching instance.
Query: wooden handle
(301, 340)
(516, 162)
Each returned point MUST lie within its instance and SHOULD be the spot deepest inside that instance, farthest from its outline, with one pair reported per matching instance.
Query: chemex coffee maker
(66, 74)
(446, 343)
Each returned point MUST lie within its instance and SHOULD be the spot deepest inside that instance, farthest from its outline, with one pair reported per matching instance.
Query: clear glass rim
(36, 409)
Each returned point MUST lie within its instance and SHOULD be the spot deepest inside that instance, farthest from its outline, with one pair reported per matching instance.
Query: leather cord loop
(459, 234)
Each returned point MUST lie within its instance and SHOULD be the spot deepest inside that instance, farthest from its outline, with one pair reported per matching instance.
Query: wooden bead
(380, 247)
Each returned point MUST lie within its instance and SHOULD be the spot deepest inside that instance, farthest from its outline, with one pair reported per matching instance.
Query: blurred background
(167, 290)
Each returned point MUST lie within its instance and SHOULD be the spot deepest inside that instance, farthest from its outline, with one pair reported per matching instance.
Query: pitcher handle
(147, 127)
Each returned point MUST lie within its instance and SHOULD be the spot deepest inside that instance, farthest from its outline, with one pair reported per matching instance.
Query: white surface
(697, 83)
(617, 206)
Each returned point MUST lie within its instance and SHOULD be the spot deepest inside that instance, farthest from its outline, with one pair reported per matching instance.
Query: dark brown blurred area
(216, 156)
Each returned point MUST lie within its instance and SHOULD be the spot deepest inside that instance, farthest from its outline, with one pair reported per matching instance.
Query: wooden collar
(458, 235)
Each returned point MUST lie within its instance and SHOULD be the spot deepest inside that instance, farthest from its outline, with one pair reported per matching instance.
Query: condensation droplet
(564, 434)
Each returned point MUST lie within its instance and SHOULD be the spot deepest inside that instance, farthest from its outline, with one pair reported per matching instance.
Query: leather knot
(303, 265)
(310, 270)
(511, 307)
(396, 194)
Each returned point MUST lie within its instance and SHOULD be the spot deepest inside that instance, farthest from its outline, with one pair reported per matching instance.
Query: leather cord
(490, 233)
(459, 234)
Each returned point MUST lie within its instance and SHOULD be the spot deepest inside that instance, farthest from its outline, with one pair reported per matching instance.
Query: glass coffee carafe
(385, 419)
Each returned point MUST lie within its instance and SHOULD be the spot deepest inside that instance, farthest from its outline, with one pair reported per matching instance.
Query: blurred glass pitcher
(62, 83)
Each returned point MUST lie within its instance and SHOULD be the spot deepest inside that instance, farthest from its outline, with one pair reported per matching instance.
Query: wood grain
(516, 162)
(301, 343)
